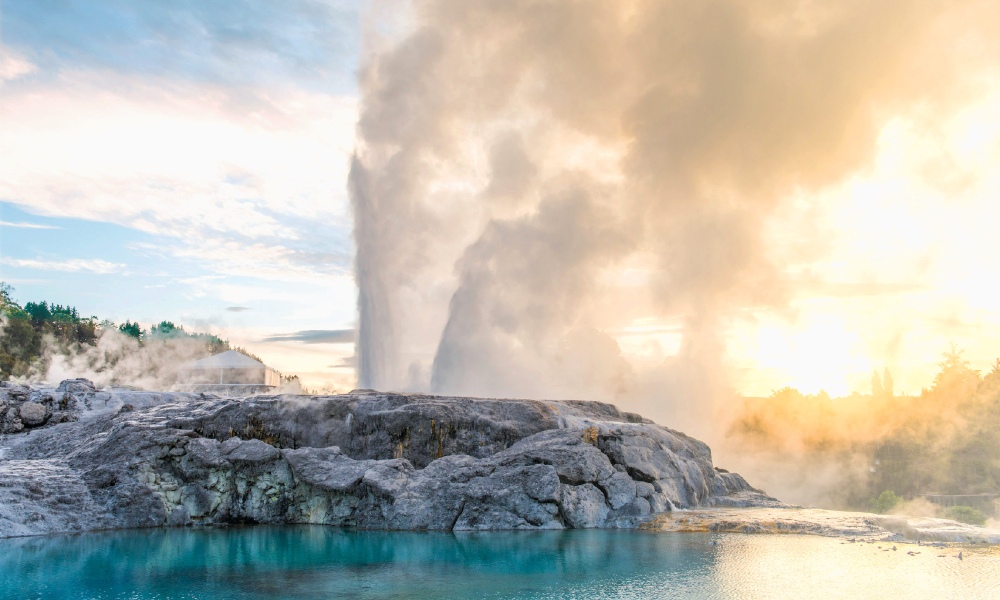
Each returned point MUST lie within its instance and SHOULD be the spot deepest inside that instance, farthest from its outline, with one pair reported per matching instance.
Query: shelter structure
(229, 373)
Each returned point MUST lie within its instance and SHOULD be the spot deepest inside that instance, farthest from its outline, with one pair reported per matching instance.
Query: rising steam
(116, 359)
(533, 177)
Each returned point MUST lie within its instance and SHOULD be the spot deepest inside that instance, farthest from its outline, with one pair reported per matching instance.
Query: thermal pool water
(295, 562)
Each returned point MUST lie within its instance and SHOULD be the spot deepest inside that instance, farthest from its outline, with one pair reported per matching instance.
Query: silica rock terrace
(75, 458)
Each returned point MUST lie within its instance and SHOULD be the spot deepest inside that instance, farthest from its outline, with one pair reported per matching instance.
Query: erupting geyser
(533, 178)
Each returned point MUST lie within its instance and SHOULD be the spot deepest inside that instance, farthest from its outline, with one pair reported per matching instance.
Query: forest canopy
(943, 441)
(35, 335)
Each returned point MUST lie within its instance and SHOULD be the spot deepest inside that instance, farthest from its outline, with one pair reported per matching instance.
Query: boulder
(77, 386)
(253, 452)
(13, 392)
(584, 506)
(33, 414)
(619, 489)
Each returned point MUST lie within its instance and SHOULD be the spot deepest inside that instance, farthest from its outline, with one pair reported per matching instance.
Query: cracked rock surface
(84, 459)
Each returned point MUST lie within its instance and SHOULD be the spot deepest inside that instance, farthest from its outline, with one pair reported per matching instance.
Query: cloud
(226, 130)
(218, 183)
(855, 289)
(73, 265)
(27, 225)
(13, 65)
(316, 336)
(272, 261)
(238, 309)
(348, 362)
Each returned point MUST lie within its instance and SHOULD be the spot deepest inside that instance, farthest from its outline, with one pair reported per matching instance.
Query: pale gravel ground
(823, 522)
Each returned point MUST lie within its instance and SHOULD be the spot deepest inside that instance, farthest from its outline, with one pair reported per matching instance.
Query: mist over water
(532, 179)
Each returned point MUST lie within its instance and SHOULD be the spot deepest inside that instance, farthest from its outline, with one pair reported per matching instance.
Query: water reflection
(788, 566)
(318, 562)
(308, 562)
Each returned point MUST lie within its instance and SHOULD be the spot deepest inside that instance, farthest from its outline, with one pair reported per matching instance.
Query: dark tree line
(26, 329)
(29, 330)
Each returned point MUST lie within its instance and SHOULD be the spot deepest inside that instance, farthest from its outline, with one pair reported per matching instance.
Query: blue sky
(305, 43)
(185, 161)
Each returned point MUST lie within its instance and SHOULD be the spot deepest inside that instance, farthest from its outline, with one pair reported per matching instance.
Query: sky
(188, 161)
(185, 161)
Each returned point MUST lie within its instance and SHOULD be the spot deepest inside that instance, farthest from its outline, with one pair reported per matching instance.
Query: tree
(132, 329)
(5, 297)
(8, 306)
(39, 311)
(247, 353)
(86, 331)
(787, 394)
(67, 313)
(885, 502)
(877, 390)
(955, 377)
(887, 383)
(965, 514)
(20, 344)
(992, 380)
(166, 329)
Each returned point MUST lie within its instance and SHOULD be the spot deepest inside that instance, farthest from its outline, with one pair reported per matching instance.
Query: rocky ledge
(75, 458)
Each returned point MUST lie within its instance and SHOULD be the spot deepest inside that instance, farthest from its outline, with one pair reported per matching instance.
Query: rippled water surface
(317, 562)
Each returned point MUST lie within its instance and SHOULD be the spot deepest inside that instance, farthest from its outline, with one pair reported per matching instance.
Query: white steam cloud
(532, 176)
(117, 359)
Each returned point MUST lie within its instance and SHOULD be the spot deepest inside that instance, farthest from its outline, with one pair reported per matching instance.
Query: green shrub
(965, 514)
(885, 502)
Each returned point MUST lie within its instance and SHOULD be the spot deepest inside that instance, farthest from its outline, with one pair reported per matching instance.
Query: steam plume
(515, 158)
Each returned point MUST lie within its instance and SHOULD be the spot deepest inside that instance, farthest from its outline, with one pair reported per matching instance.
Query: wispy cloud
(73, 265)
(238, 309)
(27, 225)
(348, 362)
(13, 65)
(271, 262)
(278, 194)
(316, 336)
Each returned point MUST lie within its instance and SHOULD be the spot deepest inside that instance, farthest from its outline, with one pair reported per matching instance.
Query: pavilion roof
(230, 359)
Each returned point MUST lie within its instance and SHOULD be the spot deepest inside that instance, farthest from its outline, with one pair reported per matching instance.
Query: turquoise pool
(317, 562)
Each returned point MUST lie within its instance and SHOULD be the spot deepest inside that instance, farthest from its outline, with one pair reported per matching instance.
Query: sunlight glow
(902, 263)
